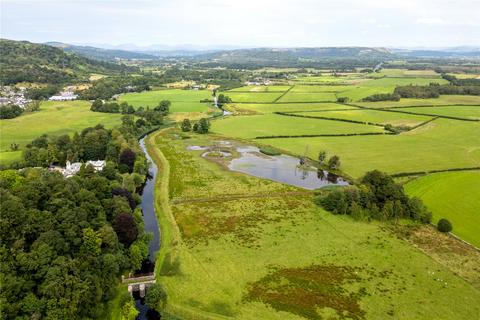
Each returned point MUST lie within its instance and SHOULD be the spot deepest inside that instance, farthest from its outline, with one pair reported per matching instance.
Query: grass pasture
(318, 89)
(54, 118)
(182, 100)
(467, 112)
(252, 97)
(248, 127)
(308, 97)
(441, 144)
(454, 196)
(261, 89)
(442, 100)
(372, 116)
(302, 261)
(289, 107)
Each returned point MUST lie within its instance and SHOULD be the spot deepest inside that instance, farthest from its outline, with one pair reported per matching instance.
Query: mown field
(182, 100)
(54, 118)
(238, 247)
(454, 196)
(278, 125)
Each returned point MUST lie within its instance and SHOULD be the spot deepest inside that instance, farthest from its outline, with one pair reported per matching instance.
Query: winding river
(151, 226)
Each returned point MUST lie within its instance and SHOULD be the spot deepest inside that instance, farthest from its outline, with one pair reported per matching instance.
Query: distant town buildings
(11, 95)
(72, 169)
(258, 82)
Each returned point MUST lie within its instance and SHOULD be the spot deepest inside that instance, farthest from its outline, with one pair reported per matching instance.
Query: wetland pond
(282, 168)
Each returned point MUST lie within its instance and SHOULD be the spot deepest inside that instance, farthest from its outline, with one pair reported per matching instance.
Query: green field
(182, 100)
(317, 88)
(289, 107)
(468, 112)
(442, 100)
(261, 89)
(454, 196)
(384, 85)
(254, 96)
(372, 116)
(54, 118)
(272, 124)
(308, 97)
(247, 248)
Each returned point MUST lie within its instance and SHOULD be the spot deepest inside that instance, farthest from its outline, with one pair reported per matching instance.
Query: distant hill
(31, 62)
(458, 52)
(298, 56)
(101, 54)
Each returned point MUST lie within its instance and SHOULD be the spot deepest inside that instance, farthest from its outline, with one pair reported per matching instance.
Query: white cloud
(246, 22)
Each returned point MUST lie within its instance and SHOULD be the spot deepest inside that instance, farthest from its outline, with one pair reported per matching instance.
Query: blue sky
(278, 23)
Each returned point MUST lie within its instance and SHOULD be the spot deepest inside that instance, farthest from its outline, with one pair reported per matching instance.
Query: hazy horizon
(247, 24)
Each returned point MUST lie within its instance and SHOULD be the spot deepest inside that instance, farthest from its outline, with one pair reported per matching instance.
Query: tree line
(11, 111)
(377, 197)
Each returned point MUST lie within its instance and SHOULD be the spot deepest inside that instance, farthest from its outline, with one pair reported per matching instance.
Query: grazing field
(372, 116)
(441, 144)
(442, 100)
(454, 196)
(278, 125)
(254, 96)
(182, 100)
(54, 118)
(308, 97)
(302, 261)
(289, 107)
(384, 85)
(317, 88)
(409, 73)
(328, 79)
(261, 89)
(468, 112)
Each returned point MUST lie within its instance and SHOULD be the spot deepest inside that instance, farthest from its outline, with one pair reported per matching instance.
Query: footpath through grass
(454, 196)
(281, 257)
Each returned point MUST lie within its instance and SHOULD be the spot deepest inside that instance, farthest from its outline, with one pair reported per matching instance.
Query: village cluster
(12, 95)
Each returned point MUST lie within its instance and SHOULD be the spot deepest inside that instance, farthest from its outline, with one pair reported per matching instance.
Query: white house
(97, 165)
(64, 96)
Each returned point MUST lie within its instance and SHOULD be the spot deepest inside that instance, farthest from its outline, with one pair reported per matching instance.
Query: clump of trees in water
(333, 162)
(66, 241)
(376, 197)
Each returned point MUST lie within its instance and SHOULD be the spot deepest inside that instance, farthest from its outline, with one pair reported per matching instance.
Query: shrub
(186, 125)
(156, 297)
(125, 228)
(270, 151)
(444, 225)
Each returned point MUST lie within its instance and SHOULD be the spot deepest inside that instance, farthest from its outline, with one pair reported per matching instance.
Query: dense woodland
(65, 242)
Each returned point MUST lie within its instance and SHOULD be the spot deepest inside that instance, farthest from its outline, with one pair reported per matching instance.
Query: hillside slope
(31, 62)
(99, 53)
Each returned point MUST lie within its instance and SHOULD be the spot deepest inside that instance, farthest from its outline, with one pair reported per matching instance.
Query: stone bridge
(139, 283)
